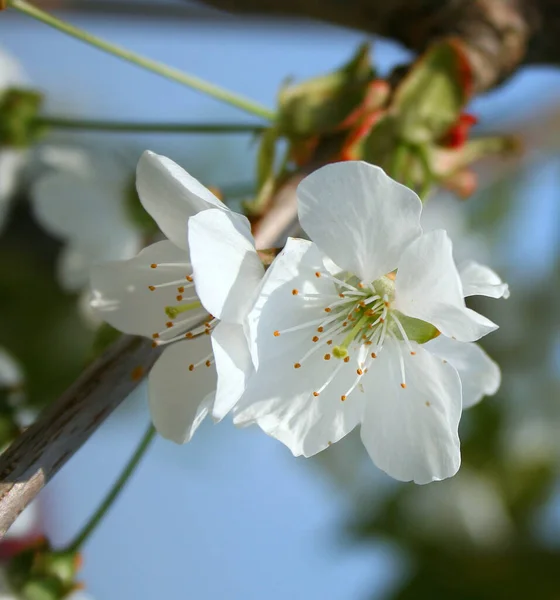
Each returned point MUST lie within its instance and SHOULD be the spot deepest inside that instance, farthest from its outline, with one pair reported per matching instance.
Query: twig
(40, 451)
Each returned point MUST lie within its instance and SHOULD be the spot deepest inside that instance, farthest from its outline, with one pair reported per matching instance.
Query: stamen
(401, 361)
(403, 333)
(171, 283)
(323, 322)
(338, 281)
(329, 379)
(207, 361)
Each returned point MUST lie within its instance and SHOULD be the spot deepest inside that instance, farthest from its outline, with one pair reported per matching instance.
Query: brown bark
(499, 35)
(36, 456)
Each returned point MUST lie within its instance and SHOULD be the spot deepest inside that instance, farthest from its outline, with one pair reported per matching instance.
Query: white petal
(428, 287)
(121, 295)
(359, 217)
(73, 268)
(279, 397)
(10, 371)
(412, 433)
(480, 375)
(171, 195)
(293, 268)
(227, 269)
(233, 366)
(85, 207)
(11, 71)
(179, 398)
(479, 280)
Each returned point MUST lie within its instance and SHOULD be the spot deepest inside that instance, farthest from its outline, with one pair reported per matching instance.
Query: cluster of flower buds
(413, 124)
(19, 108)
(41, 573)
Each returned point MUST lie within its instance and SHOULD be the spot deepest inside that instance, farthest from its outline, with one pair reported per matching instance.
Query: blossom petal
(121, 294)
(10, 371)
(233, 366)
(280, 397)
(479, 280)
(428, 287)
(227, 269)
(359, 217)
(83, 207)
(171, 195)
(179, 399)
(480, 375)
(412, 433)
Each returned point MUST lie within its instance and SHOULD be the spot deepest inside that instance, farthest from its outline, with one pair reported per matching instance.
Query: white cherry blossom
(12, 160)
(154, 295)
(82, 200)
(339, 329)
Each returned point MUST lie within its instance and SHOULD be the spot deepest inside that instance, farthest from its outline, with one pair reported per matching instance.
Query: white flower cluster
(366, 324)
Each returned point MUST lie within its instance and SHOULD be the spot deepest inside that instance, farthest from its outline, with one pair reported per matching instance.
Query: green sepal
(416, 329)
(430, 98)
(19, 109)
(319, 105)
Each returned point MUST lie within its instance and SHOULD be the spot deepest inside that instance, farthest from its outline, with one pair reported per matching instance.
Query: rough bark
(499, 35)
(36, 456)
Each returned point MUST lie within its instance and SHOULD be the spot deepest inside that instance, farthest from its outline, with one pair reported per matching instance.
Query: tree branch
(498, 35)
(42, 449)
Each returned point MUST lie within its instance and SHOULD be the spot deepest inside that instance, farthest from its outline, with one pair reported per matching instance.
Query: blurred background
(233, 514)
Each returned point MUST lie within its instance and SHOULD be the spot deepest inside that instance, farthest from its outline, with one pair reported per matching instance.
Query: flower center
(358, 320)
(185, 320)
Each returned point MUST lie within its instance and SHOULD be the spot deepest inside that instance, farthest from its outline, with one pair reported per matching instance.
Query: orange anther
(295, 292)
(343, 398)
(276, 333)
(346, 359)
(327, 356)
(359, 371)
(403, 385)
(315, 338)
(153, 265)
(152, 288)
(315, 394)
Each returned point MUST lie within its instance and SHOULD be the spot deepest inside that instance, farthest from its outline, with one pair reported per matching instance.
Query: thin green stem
(114, 492)
(146, 63)
(139, 127)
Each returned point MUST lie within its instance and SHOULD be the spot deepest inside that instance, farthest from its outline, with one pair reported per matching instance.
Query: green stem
(114, 492)
(139, 127)
(146, 63)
